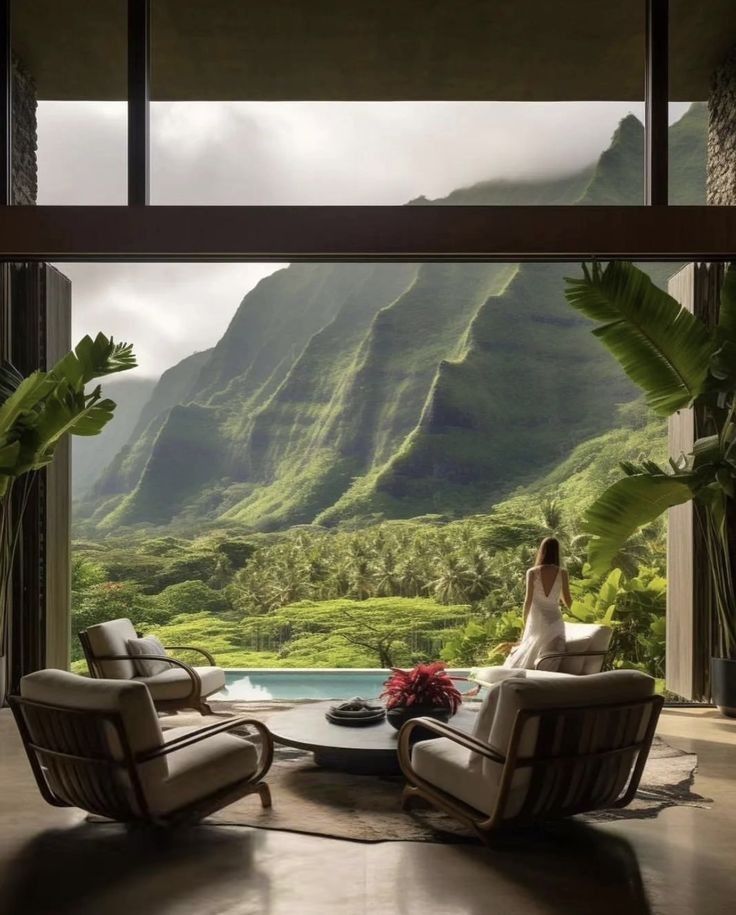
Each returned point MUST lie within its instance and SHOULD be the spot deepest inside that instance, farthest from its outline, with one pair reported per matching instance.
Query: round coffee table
(367, 750)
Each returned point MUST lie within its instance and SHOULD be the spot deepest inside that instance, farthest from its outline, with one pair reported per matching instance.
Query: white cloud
(168, 311)
(282, 153)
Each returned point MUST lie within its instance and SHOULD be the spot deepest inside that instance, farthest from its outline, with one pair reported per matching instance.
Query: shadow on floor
(110, 869)
(568, 868)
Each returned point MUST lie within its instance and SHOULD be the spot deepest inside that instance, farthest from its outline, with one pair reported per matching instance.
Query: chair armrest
(201, 651)
(560, 655)
(187, 740)
(444, 730)
(193, 675)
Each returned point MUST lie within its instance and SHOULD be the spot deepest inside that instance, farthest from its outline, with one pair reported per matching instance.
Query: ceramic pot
(723, 685)
(397, 716)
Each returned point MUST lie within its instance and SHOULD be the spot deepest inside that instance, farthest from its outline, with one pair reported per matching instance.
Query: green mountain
(173, 388)
(354, 391)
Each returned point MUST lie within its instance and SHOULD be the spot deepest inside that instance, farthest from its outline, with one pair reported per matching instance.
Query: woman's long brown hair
(548, 553)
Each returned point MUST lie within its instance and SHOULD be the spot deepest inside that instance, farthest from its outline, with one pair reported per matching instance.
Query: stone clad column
(25, 137)
(722, 134)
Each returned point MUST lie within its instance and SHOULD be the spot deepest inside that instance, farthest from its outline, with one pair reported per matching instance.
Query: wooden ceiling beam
(381, 233)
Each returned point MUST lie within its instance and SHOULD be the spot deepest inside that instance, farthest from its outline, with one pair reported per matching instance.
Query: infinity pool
(308, 683)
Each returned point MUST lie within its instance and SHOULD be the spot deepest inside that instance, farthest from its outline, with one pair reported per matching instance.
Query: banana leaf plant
(679, 362)
(36, 412)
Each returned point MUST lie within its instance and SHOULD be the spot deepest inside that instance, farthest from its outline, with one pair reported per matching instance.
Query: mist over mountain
(92, 455)
(357, 391)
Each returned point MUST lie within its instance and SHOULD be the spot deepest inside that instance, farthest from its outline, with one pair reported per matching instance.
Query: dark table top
(307, 728)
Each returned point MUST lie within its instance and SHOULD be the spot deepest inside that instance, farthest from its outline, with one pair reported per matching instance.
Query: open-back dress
(545, 630)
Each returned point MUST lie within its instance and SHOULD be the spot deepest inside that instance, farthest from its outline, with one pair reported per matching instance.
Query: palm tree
(453, 584)
(551, 512)
(387, 575)
(481, 580)
(678, 362)
(413, 576)
(362, 578)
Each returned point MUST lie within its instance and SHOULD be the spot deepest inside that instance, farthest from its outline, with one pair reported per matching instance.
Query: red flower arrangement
(424, 685)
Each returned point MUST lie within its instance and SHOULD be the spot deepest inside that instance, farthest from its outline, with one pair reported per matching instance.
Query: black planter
(397, 716)
(723, 685)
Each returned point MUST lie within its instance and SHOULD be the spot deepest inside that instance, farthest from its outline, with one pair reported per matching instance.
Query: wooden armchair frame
(96, 781)
(557, 727)
(193, 699)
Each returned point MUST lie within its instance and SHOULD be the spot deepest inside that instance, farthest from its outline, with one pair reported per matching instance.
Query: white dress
(545, 630)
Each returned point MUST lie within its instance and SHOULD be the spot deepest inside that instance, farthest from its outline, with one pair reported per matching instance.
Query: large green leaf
(38, 411)
(626, 506)
(727, 313)
(661, 346)
(94, 359)
(68, 412)
(24, 400)
(8, 456)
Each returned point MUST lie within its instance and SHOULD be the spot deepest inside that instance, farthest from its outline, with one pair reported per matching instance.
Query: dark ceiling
(514, 50)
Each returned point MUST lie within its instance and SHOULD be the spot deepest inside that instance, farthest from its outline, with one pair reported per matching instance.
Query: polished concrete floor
(54, 863)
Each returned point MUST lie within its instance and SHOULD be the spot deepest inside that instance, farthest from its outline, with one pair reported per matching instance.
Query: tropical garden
(386, 593)
(394, 593)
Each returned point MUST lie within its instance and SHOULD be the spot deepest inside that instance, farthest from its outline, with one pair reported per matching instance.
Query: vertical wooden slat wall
(57, 531)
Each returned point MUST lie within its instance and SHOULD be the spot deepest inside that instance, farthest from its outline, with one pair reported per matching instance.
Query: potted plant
(679, 362)
(36, 412)
(425, 690)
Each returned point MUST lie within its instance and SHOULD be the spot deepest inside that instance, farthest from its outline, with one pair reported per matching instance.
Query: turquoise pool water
(308, 684)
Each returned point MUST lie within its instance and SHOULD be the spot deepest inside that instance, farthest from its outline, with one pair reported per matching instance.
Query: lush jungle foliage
(394, 593)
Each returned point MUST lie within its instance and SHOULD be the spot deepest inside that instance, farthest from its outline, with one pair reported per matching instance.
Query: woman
(544, 631)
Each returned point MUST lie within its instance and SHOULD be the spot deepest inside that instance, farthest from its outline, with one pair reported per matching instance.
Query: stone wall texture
(722, 135)
(25, 138)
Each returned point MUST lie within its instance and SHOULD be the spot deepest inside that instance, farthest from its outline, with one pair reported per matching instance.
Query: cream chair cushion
(450, 767)
(129, 698)
(491, 676)
(563, 692)
(112, 638)
(143, 648)
(200, 770)
(585, 637)
(175, 683)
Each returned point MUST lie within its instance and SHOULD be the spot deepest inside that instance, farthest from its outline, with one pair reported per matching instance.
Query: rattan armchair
(181, 686)
(98, 745)
(543, 749)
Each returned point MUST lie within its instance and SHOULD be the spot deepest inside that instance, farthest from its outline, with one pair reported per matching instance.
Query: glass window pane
(431, 103)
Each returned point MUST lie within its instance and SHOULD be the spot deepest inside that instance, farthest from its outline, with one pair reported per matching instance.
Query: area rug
(366, 808)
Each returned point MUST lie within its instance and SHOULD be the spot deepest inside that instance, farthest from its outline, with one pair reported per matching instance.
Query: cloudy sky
(281, 153)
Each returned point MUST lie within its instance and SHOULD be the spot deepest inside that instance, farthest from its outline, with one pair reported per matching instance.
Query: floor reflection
(106, 868)
(569, 868)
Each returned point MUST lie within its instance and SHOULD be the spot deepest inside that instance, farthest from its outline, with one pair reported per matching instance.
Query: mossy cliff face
(351, 390)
